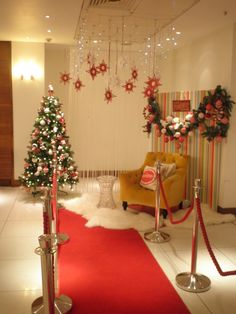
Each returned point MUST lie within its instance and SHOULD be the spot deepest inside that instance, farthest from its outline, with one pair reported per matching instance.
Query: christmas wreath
(211, 117)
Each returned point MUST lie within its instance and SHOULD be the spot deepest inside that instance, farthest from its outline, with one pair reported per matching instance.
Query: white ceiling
(24, 20)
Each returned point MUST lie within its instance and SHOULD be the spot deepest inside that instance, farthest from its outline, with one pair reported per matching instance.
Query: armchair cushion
(148, 179)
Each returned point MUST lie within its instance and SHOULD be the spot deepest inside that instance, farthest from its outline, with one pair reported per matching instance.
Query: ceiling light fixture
(49, 31)
(47, 16)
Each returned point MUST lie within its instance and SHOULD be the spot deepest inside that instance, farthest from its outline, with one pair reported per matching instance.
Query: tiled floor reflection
(20, 269)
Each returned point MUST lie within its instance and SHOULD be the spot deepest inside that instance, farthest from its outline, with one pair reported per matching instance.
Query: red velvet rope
(207, 242)
(45, 223)
(168, 208)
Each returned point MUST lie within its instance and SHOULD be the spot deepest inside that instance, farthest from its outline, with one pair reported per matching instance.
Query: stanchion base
(193, 282)
(157, 236)
(62, 305)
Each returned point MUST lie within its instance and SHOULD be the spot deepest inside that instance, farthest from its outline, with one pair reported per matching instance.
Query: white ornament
(59, 147)
(188, 117)
(42, 122)
(176, 120)
(45, 133)
(46, 110)
(71, 168)
(37, 173)
(50, 151)
(163, 131)
(169, 119)
(58, 117)
(55, 129)
(39, 168)
(171, 127)
(201, 115)
(177, 134)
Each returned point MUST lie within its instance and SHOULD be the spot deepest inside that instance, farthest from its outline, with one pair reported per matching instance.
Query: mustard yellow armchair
(131, 192)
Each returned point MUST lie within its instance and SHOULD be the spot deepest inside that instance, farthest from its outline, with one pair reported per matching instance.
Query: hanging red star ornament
(153, 82)
(109, 95)
(93, 71)
(65, 77)
(148, 92)
(103, 67)
(129, 86)
(78, 84)
(134, 74)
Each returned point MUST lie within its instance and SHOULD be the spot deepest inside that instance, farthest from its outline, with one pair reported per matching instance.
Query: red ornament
(153, 82)
(65, 77)
(129, 86)
(78, 84)
(109, 95)
(93, 71)
(134, 74)
(103, 67)
(148, 92)
(209, 107)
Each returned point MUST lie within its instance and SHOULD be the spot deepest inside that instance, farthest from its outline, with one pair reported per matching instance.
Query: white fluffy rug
(86, 205)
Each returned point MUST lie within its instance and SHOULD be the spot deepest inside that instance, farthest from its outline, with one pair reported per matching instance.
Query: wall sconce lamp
(27, 70)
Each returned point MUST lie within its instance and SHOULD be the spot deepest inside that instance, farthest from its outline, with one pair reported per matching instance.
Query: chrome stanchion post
(47, 212)
(157, 236)
(48, 303)
(192, 281)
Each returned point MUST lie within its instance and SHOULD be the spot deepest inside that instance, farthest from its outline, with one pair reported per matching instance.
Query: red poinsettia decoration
(103, 67)
(93, 71)
(134, 73)
(153, 82)
(129, 86)
(148, 92)
(78, 84)
(65, 77)
(109, 95)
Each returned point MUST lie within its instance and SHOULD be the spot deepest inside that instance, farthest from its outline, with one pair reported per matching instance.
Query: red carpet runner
(112, 272)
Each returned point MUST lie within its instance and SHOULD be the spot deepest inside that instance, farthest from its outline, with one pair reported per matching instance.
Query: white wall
(26, 100)
(57, 61)
(228, 169)
(200, 65)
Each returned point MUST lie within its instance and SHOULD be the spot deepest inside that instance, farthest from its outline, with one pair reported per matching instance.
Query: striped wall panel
(204, 157)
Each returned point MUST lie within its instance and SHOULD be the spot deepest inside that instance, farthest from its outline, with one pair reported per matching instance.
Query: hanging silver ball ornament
(42, 122)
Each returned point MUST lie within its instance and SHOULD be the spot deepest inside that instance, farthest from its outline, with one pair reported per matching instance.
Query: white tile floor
(20, 269)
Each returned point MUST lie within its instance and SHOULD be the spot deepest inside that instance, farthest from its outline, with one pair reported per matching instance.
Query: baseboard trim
(226, 210)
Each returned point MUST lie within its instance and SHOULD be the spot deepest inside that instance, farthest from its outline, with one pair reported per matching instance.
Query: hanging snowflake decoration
(103, 67)
(109, 95)
(153, 82)
(78, 84)
(134, 74)
(148, 92)
(65, 77)
(93, 71)
(129, 86)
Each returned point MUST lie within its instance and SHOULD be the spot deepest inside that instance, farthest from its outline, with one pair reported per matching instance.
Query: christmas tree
(49, 148)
